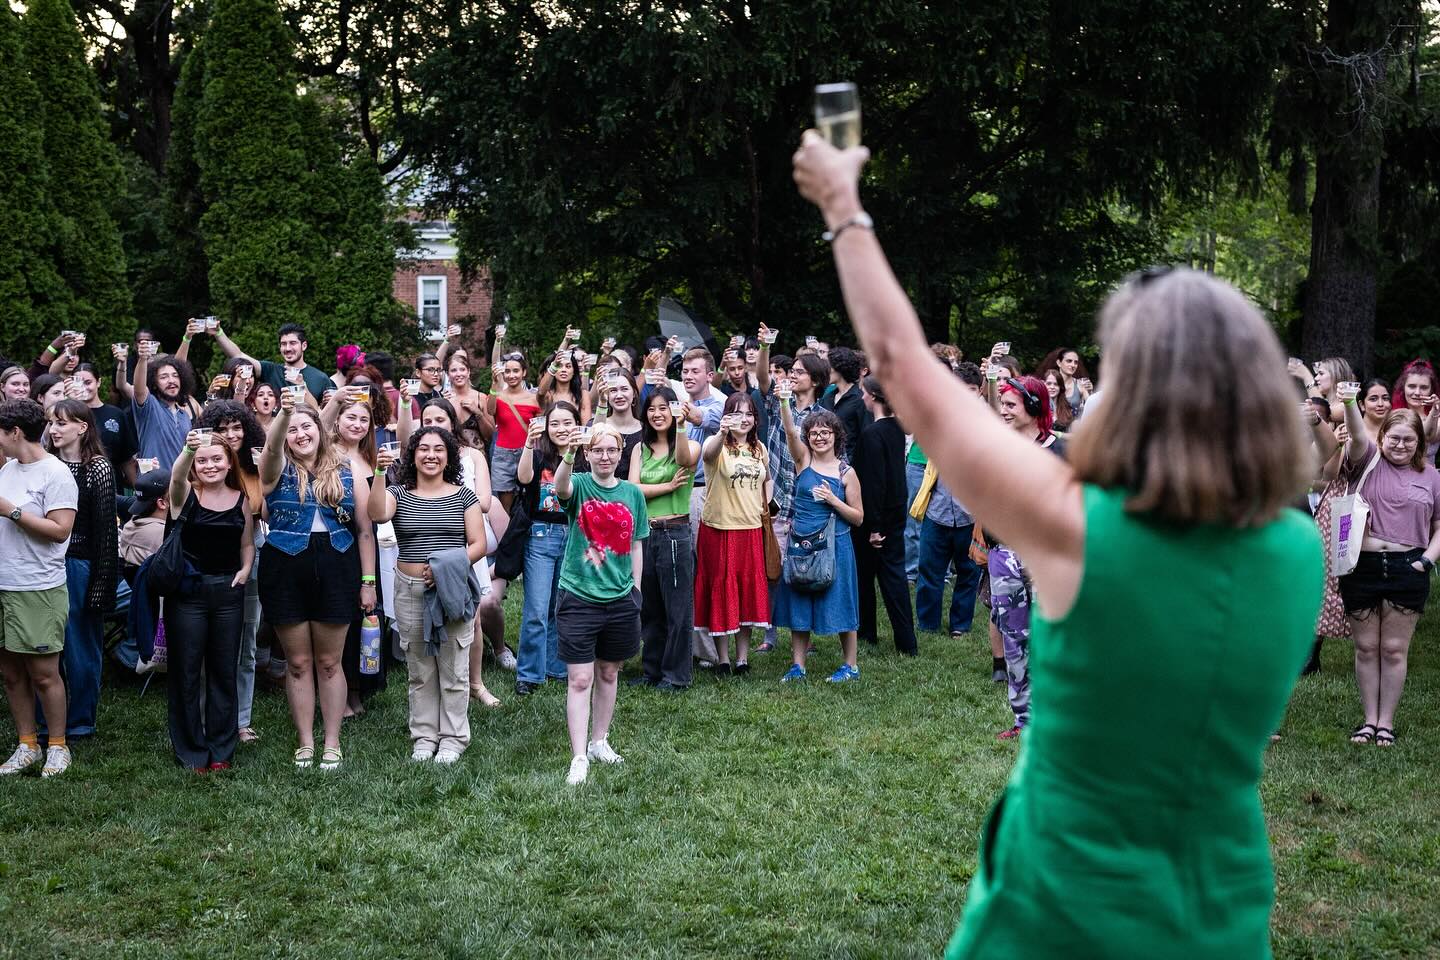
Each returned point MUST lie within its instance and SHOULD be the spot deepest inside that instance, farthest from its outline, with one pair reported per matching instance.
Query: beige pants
(439, 686)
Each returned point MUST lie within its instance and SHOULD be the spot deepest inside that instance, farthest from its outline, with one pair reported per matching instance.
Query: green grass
(749, 819)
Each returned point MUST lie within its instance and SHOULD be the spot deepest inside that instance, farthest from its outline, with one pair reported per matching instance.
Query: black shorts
(598, 631)
(1385, 577)
(320, 583)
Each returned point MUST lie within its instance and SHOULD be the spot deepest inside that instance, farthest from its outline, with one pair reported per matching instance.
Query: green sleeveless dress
(1131, 825)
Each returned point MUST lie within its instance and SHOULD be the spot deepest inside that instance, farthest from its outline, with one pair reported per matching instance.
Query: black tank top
(211, 538)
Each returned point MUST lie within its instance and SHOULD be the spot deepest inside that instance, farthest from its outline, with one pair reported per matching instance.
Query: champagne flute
(837, 114)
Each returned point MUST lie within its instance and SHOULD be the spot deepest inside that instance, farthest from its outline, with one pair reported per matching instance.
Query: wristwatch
(1425, 561)
(15, 514)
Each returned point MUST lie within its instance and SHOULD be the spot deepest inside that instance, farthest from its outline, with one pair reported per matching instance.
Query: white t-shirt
(36, 488)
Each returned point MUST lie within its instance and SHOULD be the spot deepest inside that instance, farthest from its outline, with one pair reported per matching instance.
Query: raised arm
(525, 467)
(193, 328)
(382, 502)
(798, 451)
(141, 390)
(271, 461)
(179, 490)
(230, 348)
(122, 384)
(1029, 497)
(687, 451)
(762, 363)
(1359, 439)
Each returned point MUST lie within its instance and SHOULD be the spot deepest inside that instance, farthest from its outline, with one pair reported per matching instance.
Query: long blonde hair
(324, 472)
(1197, 419)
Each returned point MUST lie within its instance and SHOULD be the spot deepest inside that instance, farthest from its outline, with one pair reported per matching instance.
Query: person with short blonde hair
(1158, 555)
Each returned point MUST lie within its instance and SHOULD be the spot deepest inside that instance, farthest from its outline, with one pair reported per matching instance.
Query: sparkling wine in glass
(837, 114)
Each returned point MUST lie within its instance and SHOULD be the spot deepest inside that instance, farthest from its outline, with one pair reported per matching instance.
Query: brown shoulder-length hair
(1409, 418)
(1195, 422)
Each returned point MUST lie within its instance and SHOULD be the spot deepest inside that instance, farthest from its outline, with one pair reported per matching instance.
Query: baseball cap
(149, 487)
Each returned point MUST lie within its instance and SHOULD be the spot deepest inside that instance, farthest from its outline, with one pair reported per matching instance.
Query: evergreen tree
(185, 203)
(85, 175)
(250, 152)
(34, 302)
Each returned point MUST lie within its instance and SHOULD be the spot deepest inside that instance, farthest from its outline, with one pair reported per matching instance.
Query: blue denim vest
(291, 520)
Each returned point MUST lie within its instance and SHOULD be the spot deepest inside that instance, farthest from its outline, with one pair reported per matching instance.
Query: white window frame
(437, 332)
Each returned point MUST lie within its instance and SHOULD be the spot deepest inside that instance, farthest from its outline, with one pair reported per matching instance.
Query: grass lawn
(749, 820)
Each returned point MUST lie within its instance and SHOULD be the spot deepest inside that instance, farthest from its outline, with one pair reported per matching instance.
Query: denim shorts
(598, 631)
(1385, 578)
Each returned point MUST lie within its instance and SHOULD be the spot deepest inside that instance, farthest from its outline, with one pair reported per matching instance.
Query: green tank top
(661, 470)
(1131, 825)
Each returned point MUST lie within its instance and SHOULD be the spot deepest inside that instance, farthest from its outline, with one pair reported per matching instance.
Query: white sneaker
(422, 754)
(57, 761)
(507, 659)
(23, 758)
(447, 756)
(601, 750)
(579, 770)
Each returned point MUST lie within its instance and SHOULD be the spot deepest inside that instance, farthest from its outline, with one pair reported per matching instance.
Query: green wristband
(569, 456)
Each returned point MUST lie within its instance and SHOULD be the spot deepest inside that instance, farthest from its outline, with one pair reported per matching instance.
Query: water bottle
(370, 645)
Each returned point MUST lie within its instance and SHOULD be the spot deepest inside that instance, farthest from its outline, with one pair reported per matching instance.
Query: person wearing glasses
(512, 405)
(1386, 592)
(1158, 697)
(598, 610)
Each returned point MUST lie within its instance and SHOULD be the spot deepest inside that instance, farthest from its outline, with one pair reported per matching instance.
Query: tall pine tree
(85, 175)
(33, 299)
(250, 149)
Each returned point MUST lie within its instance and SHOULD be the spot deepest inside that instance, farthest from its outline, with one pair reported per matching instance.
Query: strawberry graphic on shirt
(608, 527)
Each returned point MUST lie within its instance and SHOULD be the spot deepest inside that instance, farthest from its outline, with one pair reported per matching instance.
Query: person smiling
(317, 564)
(38, 500)
(293, 344)
(731, 595)
(512, 406)
(1386, 592)
(598, 612)
(164, 407)
(91, 559)
(434, 514)
(204, 619)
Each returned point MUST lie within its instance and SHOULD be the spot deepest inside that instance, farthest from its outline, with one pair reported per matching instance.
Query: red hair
(1036, 388)
(1397, 394)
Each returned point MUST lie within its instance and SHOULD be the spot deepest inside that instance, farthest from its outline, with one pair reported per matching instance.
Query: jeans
(245, 677)
(83, 654)
(885, 563)
(202, 630)
(667, 590)
(914, 473)
(539, 653)
(940, 545)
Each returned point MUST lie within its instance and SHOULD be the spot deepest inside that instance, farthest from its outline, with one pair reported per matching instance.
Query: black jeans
(202, 629)
(885, 563)
(667, 610)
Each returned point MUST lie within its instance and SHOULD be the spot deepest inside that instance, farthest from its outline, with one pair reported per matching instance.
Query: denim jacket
(291, 520)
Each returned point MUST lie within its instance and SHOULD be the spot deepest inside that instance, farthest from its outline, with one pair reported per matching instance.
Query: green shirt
(315, 379)
(916, 455)
(1131, 826)
(603, 524)
(655, 470)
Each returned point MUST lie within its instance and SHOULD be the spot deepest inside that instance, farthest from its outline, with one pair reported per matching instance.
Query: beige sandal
(304, 757)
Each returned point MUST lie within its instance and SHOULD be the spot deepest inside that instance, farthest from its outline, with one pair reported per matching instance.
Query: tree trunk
(1341, 289)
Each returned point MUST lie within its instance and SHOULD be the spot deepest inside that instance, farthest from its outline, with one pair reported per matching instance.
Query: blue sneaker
(843, 673)
(796, 672)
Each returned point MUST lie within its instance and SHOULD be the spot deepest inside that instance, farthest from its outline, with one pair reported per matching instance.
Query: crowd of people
(283, 524)
(652, 502)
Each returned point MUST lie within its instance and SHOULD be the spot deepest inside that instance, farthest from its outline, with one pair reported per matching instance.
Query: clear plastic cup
(212, 323)
(296, 390)
(677, 409)
(222, 380)
(293, 376)
(412, 386)
(207, 435)
(540, 420)
(362, 393)
(768, 337)
(146, 464)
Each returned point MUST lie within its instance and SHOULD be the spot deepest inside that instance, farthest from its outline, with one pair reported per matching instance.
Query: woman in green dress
(1176, 595)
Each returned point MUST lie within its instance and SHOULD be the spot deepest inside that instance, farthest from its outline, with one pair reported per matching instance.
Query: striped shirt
(424, 526)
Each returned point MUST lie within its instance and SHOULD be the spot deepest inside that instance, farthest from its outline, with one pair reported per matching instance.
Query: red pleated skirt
(730, 587)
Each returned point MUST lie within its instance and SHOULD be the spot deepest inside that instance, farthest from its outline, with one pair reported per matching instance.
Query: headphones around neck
(1030, 400)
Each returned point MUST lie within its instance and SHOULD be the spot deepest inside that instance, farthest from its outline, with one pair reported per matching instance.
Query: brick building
(431, 286)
